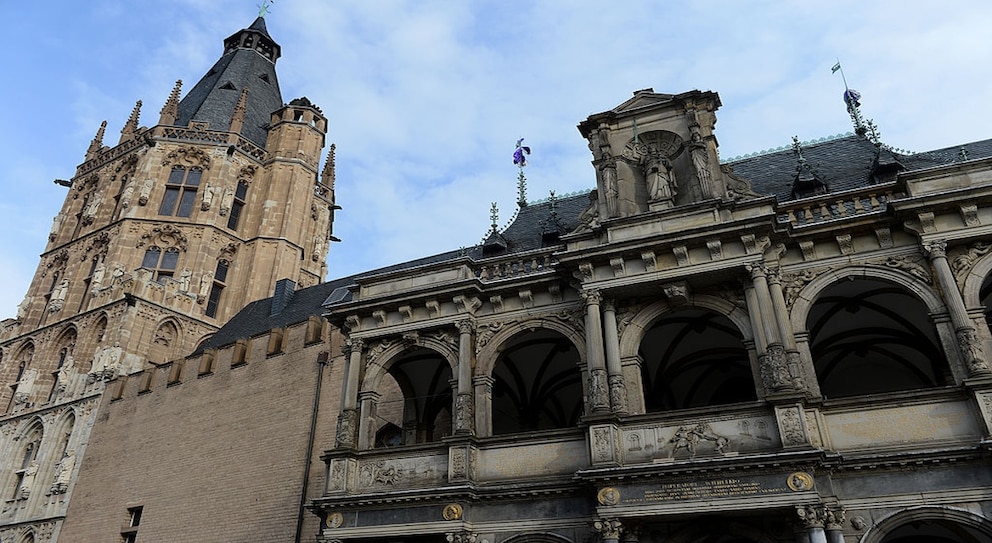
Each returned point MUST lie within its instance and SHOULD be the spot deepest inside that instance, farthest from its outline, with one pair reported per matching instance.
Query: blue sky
(426, 98)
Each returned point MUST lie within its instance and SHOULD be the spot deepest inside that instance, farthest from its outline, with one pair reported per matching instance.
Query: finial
(873, 133)
(494, 218)
(327, 176)
(131, 126)
(171, 108)
(97, 142)
(238, 117)
(263, 8)
(520, 159)
(853, 100)
(797, 148)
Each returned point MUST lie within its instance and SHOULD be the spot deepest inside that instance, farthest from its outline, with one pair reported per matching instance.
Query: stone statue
(206, 280)
(56, 225)
(63, 472)
(208, 198)
(146, 191)
(22, 308)
(662, 185)
(106, 363)
(28, 480)
(127, 195)
(700, 160)
(318, 248)
(25, 386)
(226, 201)
(65, 373)
(117, 273)
(92, 208)
(97, 280)
(184, 279)
(58, 296)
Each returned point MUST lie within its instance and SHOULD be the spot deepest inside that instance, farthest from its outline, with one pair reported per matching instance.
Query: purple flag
(519, 157)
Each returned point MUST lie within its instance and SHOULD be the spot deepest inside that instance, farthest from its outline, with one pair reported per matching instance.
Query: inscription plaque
(707, 489)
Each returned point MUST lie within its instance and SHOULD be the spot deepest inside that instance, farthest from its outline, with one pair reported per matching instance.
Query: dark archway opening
(694, 358)
(420, 410)
(869, 336)
(537, 384)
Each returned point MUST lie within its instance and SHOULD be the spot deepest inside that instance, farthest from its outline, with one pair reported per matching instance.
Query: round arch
(809, 294)
(488, 355)
(974, 280)
(928, 513)
(633, 334)
(379, 367)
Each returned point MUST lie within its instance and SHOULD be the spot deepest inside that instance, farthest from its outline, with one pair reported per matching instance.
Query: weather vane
(263, 8)
(520, 159)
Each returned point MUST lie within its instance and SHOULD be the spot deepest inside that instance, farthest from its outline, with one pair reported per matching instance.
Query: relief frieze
(699, 439)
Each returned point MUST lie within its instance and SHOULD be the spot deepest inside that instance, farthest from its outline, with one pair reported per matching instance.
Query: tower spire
(131, 126)
(327, 176)
(97, 142)
(171, 108)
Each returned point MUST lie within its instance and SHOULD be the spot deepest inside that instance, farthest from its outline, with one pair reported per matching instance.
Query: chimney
(282, 295)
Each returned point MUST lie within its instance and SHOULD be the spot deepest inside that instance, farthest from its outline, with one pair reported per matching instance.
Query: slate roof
(843, 163)
(213, 98)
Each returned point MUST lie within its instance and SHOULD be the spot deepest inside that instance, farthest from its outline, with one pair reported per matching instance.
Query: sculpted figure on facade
(226, 201)
(208, 198)
(22, 308)
(63, 472)
(92, 208)
(106, 363)
(96, 282)
(56, 225)
(25, 386)
(65, 373)
(185, 277)
(700, 162)
(127, 195)
(58, 296)
(206, 280)
(27, 482)
(660, 177)
(145, 192)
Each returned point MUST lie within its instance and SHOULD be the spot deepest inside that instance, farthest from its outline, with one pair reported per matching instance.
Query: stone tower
(162, 237)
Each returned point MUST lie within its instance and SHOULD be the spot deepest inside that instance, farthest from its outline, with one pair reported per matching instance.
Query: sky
(426, 98)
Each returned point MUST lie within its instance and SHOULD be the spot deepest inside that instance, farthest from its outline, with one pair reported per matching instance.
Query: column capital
(936, 248)
(465, 326)
(591, 296)
(608, 528)
(811, 516)
(353, 345)
(756, 269)
(609, 305)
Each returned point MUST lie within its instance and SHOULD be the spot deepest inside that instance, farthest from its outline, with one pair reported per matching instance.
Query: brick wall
(214, 457)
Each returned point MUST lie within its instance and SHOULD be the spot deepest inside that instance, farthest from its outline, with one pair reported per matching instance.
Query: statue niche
(654, 160)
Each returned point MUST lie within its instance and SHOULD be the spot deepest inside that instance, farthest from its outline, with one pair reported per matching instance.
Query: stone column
(369, 401)
(609, 530)
(785, 332)
(348, 418)
(614, 368)
(464, 404)
(483, 405)
(774, 367)
(834, 525)
(969, 345)
(598, 387)
(812, 519)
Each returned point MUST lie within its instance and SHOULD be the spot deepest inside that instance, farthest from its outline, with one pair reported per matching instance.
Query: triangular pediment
(643, 99)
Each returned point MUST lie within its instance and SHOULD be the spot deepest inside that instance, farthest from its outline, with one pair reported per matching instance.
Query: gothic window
(161, 263)
(537, 384)
(87, 282)
(694, 358)
(180, 191)
(415, 401)
(237, 205)
(220, 281)
(27, 467)
(55, 375)
(869, 336)
(162, 345)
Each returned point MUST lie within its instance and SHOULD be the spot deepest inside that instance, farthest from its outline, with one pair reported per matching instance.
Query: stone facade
(161, 239)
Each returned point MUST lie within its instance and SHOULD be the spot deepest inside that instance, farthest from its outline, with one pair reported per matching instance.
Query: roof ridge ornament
(520, 159)
(263, 8)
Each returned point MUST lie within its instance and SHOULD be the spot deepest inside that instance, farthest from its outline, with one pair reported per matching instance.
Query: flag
(518, 155)
(835, 68)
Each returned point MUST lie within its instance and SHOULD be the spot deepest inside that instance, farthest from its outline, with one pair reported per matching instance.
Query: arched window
(164, 342)
(217, 288)
(694, 358)
(869, 336)
(180, 191)
(26, 467)
(415, 401)
(537, 384)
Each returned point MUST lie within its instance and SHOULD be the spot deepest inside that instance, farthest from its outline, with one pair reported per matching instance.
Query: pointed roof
(645, 100)
(248, 62)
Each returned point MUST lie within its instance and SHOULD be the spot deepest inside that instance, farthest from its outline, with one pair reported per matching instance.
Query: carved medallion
(800, 481)
(452, 511)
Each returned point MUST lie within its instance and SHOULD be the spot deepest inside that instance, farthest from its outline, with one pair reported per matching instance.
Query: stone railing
(515, 266)
(824, 209)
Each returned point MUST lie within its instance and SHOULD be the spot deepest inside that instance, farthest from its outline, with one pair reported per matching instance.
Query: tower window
(180, 191)
(239, 202)
(220, 281)
(161, 263)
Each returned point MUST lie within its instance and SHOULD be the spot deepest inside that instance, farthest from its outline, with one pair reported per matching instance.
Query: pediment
(644, 99)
